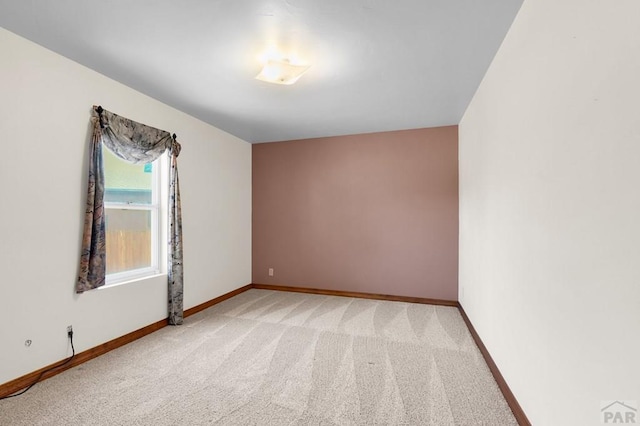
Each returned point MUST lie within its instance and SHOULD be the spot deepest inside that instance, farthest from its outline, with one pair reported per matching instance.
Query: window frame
(155, 210)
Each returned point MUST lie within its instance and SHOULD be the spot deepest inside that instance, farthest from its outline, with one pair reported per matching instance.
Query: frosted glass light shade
(281, 72)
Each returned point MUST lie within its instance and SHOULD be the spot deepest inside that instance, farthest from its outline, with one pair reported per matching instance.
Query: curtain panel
(135, 143)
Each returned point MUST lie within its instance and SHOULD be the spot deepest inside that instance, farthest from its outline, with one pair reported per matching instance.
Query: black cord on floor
(67, 361)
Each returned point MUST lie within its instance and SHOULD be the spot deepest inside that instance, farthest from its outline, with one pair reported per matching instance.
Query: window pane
(128, 235)
(126, 182)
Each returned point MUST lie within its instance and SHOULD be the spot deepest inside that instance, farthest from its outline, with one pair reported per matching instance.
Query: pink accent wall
(374, 213)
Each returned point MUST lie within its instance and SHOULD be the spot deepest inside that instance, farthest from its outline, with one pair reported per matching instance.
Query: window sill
(131, 280)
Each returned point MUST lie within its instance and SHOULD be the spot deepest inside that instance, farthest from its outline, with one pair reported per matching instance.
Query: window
(131, 202)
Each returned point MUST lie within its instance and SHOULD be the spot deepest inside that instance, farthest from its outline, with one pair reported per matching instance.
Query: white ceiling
(376, 65)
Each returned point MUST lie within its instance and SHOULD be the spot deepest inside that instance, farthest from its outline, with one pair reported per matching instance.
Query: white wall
(550, 208)
(45, 103)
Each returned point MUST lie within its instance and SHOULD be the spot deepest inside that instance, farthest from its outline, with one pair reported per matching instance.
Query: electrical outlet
(69, 330)
(270, 272)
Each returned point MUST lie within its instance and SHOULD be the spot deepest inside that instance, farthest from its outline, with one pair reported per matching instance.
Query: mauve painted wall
(374, 213)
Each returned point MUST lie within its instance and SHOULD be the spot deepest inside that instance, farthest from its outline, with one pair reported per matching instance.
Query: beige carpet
(277, 358)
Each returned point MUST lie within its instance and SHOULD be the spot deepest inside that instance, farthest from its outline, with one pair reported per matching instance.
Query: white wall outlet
(270, 272)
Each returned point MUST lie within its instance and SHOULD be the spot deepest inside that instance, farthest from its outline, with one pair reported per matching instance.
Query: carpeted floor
(277, 358)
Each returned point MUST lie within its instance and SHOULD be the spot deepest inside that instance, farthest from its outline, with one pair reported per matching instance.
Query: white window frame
(155, 211)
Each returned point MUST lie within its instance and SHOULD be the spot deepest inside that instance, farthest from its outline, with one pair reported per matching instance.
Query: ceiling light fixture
(281, 72)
